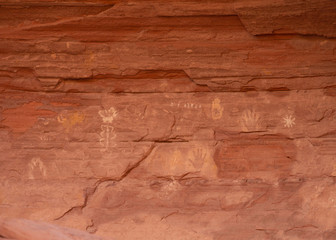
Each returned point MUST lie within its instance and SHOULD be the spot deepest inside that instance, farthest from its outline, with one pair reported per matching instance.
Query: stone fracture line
(90, 191)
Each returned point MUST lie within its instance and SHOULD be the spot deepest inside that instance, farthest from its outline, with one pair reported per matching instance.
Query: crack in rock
(90, 191)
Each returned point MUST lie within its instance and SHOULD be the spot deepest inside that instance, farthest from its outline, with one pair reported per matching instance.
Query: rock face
(170, 119)
(21, 229)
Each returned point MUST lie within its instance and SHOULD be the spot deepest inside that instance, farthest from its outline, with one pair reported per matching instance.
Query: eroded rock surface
(170, 119)
(22, 229)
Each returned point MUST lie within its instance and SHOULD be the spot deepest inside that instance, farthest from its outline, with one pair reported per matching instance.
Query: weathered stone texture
(26, 230)
(170, 119)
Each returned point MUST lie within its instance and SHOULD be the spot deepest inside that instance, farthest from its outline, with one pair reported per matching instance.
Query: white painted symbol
(186, 105)
(289, 121)
(107, 130)
(36, 169)
(106, 135)
(108, 115)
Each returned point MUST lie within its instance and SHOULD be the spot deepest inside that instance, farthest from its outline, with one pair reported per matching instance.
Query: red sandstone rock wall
(169, 120)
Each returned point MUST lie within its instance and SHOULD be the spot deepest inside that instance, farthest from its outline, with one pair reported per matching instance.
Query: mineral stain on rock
(69, 120)
(23, 117)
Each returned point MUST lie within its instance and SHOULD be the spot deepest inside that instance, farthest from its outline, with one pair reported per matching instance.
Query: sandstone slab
(168, 119)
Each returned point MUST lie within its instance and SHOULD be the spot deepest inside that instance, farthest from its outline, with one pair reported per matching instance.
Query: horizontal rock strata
(170, 119)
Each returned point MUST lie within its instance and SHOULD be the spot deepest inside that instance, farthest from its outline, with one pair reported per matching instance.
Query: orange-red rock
(170, 119)
(22, 229)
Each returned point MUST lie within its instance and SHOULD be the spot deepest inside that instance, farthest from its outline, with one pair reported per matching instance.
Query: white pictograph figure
(36, 169)
(289, 121)
(186, 105)
(107, 130)
(108, 115)
(106, 135)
